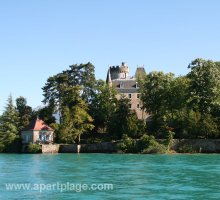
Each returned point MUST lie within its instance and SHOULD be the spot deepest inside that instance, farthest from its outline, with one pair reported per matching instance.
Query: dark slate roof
(125, 83)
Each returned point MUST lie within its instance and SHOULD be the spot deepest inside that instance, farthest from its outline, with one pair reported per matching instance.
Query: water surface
(132, 176)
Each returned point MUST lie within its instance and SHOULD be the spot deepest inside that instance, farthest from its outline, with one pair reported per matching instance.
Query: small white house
(37, 132)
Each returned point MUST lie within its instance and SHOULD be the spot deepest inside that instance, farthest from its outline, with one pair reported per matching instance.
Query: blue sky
(40, 38)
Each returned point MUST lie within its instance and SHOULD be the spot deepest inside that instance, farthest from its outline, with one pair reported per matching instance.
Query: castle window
(138, 96)
(129, 105)
(129, 96)
(138, 105)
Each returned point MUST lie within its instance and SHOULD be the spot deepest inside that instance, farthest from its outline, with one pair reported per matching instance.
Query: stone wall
(196, 145)
(50, 148)
(178, 145)
(68, 148)
(105, 147)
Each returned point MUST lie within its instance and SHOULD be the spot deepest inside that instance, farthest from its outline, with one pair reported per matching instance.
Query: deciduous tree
(204, 85)
(24, 112)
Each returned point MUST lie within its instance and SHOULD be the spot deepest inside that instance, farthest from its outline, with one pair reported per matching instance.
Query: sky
(41, 38)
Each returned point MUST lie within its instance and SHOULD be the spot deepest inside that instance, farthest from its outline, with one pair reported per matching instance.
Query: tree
(82, 75)
(24, 112)
(157, 99)
(204, 87)
(188, 105)
(46, 114)
(204, 96)
(123, 120)
(102, 106)
(9, 121)
(70, 92)
(53, 90)
(155, 92)
(75, 118)
(177, 110)
(178, 94)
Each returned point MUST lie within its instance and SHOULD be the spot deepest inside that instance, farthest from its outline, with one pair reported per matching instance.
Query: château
(118, 77)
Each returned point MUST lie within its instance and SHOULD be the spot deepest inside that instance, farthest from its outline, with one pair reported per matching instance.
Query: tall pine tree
(9, 133)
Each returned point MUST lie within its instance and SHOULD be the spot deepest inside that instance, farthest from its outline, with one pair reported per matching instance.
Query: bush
(147, 144)
(34, 148)
(169, 139)
(128, 145)
(156, 149)
(150, 145)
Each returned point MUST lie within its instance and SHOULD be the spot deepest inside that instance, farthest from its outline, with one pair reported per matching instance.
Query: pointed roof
(108, 79)
(140, 71)
(37, 125)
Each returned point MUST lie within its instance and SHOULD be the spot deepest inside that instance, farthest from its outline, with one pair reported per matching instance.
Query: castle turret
(123, 71)
(140, 72)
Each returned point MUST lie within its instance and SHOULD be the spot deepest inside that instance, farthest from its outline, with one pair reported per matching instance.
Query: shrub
(156, 149)
(147, 144)
(128, 145)
(34, 148)
(150, 145)
(169, 139)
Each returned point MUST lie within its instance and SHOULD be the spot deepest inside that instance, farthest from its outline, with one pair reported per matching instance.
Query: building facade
(118, 77)
(37, 132)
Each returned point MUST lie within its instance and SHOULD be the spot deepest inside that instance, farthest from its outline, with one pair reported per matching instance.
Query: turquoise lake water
(130, 176)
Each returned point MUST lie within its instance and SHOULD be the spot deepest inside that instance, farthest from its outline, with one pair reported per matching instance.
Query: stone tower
(118, 77)
(123, 71)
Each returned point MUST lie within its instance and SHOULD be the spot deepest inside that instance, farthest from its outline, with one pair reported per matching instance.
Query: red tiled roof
(37, 125)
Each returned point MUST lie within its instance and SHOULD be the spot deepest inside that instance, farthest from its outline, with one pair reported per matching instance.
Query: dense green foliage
(69, 93)
(34, 148)
(124, 121)
(9, 123)
(77, 75)
(146, 145)
(204, 85)
(187, 105)
(75, 118)
(102, 106)
(179, 107)
(46, 114)
(24, 112)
